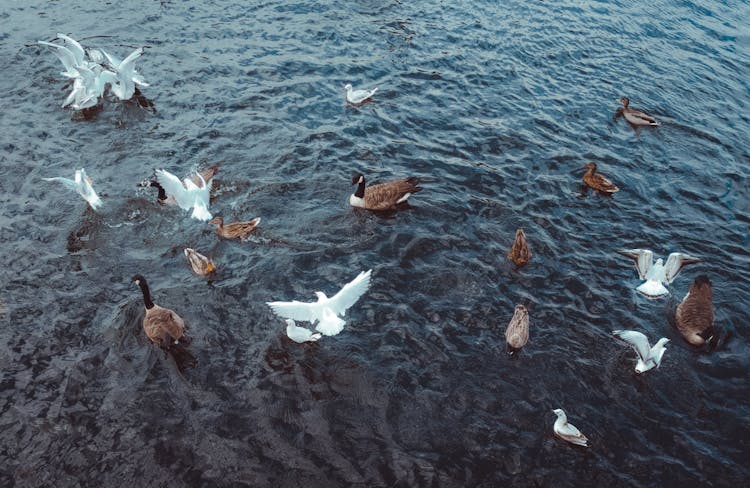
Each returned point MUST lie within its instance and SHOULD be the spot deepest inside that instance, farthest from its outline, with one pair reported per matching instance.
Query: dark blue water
(500, 105)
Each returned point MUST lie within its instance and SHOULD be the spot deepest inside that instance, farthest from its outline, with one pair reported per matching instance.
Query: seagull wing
(569, 429)
(128, 64)
(65, 181)
(643, 260)
(675, 262)
(174, 187)
(74, 47)
(302, 311)
(637, 340)
(112, 60)
(86, 190)
(350, 293)
(66, 57)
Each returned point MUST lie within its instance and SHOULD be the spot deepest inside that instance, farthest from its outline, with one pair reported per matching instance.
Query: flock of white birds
(94, 73)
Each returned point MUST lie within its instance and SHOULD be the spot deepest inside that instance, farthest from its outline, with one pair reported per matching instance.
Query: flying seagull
(657, 274)
(82, 185)
(648, 357)
(326, 310)
(187, 194)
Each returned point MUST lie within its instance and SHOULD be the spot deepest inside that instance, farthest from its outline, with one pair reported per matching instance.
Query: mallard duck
(635, 117)
(235, 230)
(657, 274)
(520, 253)
(383, 196)
(82, 184)
(517, 332)
(598, 181)
(162, 325)
(357, 97)
(648, 357)
(695, 314)
(567, 431)
(200, 263)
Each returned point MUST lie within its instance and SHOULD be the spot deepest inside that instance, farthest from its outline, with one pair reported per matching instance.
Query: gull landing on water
(300, 334)
(82, 185)
(657, 274)
(648, 357)
(357, 97)
(187, 194)
(567, 431)
(326, 310)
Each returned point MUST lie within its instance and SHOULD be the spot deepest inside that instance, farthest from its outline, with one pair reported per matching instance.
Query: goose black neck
(146, 293)
(360, 193)
(162, 193)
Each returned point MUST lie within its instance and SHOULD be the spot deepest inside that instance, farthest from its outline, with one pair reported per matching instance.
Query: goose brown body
(517, 332)
(383, 196)
(695, 314)
(201, 264)
(598, 181)
(520, 253)
(236, 230)
(161, 325)
(635, 117)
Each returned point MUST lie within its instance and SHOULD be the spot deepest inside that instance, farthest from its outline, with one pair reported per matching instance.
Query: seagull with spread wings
(187, 194)
(657, 274)
(648, 357)
(82, 185)
(326, 311)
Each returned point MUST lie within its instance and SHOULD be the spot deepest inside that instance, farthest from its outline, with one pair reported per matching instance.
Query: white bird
(300, 334)
(67, 57)
(358, 96)
(81, 184)
(186, 193)
(326, 310)
(657, 274)
(89, 86)
(127, 77)
(567, 431)
(648, 357)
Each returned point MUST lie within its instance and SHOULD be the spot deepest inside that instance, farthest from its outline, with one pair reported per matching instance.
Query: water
(500, 105)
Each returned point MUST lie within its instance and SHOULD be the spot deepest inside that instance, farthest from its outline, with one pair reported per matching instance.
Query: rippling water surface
(500, 106)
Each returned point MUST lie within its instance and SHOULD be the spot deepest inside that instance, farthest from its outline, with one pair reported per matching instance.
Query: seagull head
(358, 178)
(348, 87)
(321, 296)
(558, 412)
(290, 322)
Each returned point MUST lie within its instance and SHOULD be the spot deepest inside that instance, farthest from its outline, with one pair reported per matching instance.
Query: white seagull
(127, 76)
(567, 431)
(657, 274)
(186, 193)
(357, 97)
(300, 334)
(81, 184)
(648, 357)
(326, 310)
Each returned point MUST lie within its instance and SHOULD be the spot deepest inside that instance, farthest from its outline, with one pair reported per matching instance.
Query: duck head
(590, 166)
(625, 101)
(217, 221)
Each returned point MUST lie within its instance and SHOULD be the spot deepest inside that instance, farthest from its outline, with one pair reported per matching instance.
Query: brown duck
(384, 196)
(634, 116)
(695, 314)
(520, 253)
(201, 264)
(162, 197)
(162, 325)
(517, 332)
(598, 181)
(236, 230)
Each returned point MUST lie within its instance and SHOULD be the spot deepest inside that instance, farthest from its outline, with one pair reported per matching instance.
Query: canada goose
(82, 185)
(300, 334)
(187, 194)
(634, 116)
(567, 431)
(648, 357)
(517, 332)
(598, 181)
(326, 310)
(200, 263)
(657, 274)
(383, 196)
(357, 97)
(162, 325)
(695, 314)
(235, 230)
(520, 253)
(162, 197)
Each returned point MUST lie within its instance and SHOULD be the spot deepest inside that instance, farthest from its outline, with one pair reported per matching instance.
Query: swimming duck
(695, 314)
(200, 263)
(357, 97)
(657, 274)
(235, 230)
(187, 193)
(300, 334)
(520, 253)
(648, 357)
(82, 184)
(598, 181)
(162, 325)
(517, 332)
(162, 197)
(634, 116)
(567, 431)
(383, 196)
